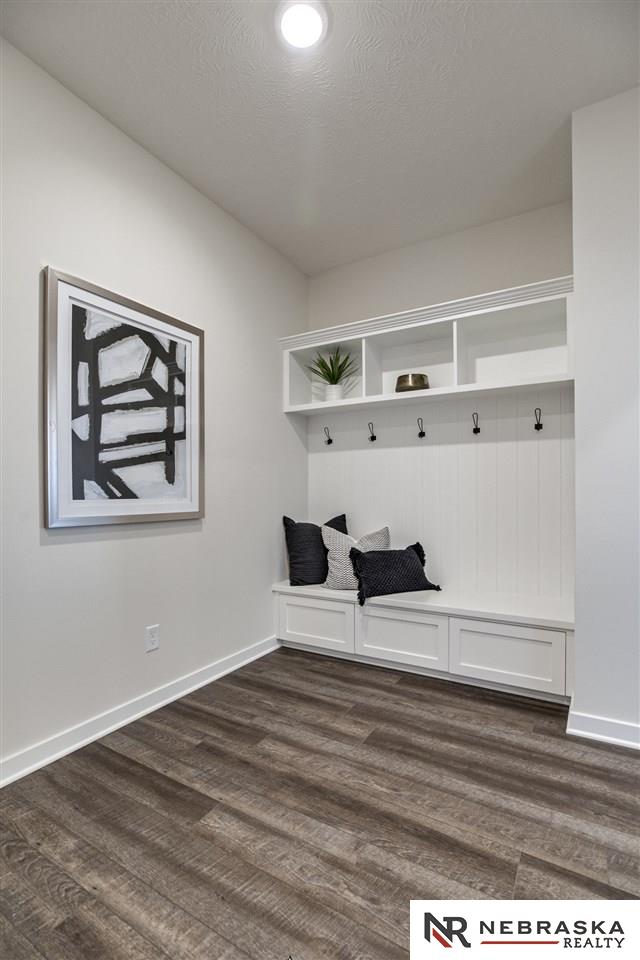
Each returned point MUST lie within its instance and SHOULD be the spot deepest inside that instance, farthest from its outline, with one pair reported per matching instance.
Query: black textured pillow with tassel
(381, 572)
(307, 552)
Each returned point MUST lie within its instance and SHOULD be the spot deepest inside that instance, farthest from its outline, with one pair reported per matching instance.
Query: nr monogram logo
(444, 931)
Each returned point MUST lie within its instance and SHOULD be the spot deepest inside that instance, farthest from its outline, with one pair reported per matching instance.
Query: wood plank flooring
(293, 808)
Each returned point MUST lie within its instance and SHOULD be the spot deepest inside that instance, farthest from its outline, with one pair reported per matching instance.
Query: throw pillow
(307, 552)
(381, 572)
(339, 545)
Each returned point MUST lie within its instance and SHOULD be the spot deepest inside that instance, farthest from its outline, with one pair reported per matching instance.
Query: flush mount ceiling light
(302, 25)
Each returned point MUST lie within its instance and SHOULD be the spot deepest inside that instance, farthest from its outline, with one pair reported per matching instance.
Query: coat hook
(372, 436)
(421, 432)
(476, 428)
(328, 441)
(538, 415)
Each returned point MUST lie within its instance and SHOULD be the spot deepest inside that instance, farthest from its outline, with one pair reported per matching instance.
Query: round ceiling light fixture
(302, 25)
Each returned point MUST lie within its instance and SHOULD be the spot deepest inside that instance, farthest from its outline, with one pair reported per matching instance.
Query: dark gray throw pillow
(380, 572)
(307, 552)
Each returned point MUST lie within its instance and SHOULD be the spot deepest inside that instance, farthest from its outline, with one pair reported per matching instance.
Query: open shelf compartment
(427, 349)
(305, 388)
(514, 345)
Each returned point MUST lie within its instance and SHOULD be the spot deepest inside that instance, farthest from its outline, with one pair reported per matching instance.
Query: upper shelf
(466, 389)
(504, 340)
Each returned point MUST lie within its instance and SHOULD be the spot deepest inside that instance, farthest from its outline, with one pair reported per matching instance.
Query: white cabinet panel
(419, 639)
(515, 655)
(316, 622)
(569, 662)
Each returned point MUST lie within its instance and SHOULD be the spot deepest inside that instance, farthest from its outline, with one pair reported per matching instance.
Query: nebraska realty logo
(524, 925)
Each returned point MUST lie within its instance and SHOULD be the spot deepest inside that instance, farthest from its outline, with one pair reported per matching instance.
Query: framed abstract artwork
(124, 392)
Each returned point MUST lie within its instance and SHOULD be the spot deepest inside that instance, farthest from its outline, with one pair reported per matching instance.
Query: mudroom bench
(503, 642)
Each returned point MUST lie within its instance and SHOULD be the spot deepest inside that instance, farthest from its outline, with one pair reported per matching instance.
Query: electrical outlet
(152, 638)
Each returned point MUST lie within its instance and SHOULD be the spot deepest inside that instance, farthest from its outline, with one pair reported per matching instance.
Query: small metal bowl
(412, 381)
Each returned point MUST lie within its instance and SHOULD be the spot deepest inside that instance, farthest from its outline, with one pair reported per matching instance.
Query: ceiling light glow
(302, 24)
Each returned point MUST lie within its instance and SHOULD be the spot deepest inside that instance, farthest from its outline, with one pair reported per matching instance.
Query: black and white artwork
(124, 393)
(128, 406)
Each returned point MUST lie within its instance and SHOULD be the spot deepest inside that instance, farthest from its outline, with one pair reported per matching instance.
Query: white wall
(81, 196)
(507, 253)
(494, 512)
(606, 174)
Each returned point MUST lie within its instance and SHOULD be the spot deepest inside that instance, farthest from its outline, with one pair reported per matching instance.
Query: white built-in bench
(502, 642)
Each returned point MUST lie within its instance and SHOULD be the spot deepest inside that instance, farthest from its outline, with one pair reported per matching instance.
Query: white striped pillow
(341, 575)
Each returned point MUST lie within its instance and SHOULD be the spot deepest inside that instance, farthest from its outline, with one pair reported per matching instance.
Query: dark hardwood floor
(293, 808)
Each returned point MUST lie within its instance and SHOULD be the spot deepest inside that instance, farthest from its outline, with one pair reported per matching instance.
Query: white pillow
(341, 575)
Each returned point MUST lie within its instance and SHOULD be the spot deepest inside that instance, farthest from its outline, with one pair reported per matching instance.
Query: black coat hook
(421, 432)
(328, 441)
(538, 415)
(476, 428)
(372, 436)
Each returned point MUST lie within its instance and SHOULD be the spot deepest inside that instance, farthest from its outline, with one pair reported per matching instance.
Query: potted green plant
(334, 370)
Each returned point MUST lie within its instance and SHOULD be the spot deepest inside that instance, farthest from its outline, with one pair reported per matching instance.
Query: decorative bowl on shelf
(412, 381)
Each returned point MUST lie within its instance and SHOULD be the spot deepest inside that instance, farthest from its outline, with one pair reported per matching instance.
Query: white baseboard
(618, 732)
(46, 751)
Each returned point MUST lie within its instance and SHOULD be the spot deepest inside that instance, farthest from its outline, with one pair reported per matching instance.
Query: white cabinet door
(403, 636)
(520, 656)
(316, 622)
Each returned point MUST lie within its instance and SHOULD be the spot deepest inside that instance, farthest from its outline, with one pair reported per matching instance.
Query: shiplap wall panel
(550, 495)
(507, 497)
(495, 512)
(530, 516)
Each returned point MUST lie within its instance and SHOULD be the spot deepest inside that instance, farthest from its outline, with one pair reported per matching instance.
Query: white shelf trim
(452, 309)
(463, 389)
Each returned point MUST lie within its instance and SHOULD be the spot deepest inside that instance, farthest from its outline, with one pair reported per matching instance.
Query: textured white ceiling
(413, 119)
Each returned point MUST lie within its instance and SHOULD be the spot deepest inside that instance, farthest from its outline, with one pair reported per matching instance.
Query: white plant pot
(334, 391)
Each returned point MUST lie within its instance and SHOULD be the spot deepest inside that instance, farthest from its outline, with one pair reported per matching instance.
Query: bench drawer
(419, 639)
(520, 656)
(316, 622)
